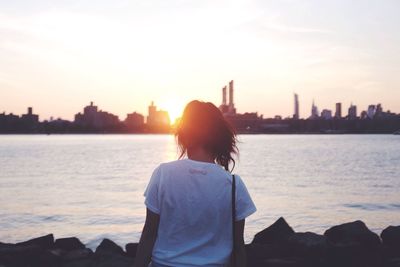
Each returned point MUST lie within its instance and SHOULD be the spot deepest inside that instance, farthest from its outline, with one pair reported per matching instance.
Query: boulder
(395, 262)
(308, 245)
(78, 254)
(109, 247)
(46, 242)
(283, 262)
(391, 236)
(114, 260)
(391, 242)
(277, 233)
(131, 249)
(69, 243)
(260, 252)
(49, 259)
(21, 255)
(353, 233)
(353, 244)
(88, 262)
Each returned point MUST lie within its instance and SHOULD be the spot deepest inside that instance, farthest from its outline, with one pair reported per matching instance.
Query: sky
(57, 56)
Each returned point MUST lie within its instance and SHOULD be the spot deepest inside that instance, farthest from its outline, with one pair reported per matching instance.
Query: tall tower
(152, 113)
(314, 111)
(352, 112)
(296, 114)
(338, 113)
(224, 96)
(231, 94)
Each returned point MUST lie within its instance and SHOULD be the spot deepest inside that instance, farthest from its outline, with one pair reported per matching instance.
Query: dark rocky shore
(349, 244)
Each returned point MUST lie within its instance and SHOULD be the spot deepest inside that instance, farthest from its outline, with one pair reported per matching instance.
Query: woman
(189, 201)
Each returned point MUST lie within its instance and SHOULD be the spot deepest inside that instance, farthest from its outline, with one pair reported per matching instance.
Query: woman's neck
(200, 154)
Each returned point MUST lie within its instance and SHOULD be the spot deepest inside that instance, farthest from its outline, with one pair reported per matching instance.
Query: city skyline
(338, 111)
(58, 56)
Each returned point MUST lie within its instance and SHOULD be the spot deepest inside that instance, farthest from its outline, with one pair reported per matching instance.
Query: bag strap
(233, 219)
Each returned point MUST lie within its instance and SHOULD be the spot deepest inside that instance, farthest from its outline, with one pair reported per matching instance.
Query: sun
(174, 107)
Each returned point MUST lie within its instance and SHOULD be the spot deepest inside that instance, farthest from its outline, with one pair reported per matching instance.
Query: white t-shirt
(193, 199)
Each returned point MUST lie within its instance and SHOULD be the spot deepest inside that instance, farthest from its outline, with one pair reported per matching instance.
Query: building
(247, 122)
(224, 106)
(326, 114)
(338, 112)
(30, 118)
(9, 123)
(296, 114)
(231, 105)
(363, 115)
(27, 123)
(314, 111)
(157, 120)
(352, 113)
(95, 119)
(371, 111)
(134, 121)
(228, 108)
(378, 110)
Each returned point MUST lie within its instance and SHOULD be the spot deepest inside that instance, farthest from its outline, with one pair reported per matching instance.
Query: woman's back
(193, 199)
(189, 201)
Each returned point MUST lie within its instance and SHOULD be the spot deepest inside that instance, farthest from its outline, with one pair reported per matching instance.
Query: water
(91, 186)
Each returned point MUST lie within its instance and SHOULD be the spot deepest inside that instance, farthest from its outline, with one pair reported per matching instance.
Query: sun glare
(174, 108)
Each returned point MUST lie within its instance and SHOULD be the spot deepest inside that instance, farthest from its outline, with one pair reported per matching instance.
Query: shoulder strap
(233, 219)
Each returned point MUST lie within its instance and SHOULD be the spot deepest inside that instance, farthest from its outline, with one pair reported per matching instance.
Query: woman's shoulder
(171, 164)
(186, 164)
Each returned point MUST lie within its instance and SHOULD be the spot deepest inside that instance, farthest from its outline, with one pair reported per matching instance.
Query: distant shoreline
(255, 133)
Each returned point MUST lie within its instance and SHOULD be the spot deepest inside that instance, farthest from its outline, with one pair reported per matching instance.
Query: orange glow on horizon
(174, 107)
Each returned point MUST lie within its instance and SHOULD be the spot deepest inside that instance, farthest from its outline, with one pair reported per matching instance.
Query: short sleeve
(244, 204)
(151, 193)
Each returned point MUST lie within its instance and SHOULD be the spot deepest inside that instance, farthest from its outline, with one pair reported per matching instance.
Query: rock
(391, 236)
(278, 232)
(89, 262)
(284, 262)
(114, 260)
(48, 259)
(69, 243)
(109, 247)
(395, 262)
(78, 254)
(260, 252)
(131, 249)
(46, 242)
(353, 244)
(21, 255)
(308, 245)
(352, 233)
(57, 252)
(5, 245)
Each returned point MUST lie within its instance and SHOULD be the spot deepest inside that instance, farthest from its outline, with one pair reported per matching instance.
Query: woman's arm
(147, 240)
(240, 252)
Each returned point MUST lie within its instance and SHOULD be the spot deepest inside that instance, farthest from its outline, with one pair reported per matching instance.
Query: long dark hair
(202, 124)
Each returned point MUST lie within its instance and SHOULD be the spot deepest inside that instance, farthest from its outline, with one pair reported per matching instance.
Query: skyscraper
(157, 120)
(314, 111)
(352, 112)
(338, 112)
(371, 111)
(296, 114)
(231, 105)
(224, 96)
(228, 108)
(326, 114)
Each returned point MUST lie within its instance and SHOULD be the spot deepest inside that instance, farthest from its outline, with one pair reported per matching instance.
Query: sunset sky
(57, 56)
